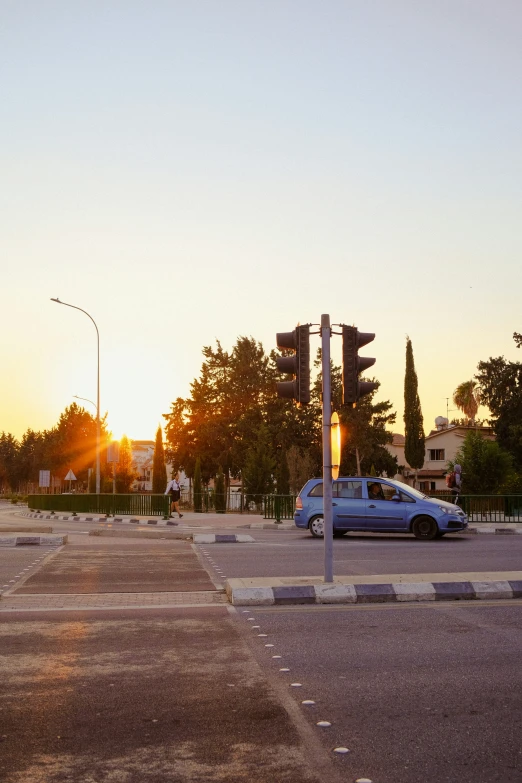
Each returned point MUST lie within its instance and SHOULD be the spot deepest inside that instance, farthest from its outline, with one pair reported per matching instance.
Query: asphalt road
(144, 697)
(295, 554)
(415, 693)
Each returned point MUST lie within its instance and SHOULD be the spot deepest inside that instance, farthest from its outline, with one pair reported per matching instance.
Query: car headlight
(445, 510)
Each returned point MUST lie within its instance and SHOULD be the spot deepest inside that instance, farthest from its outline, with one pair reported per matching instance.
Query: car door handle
(334, 504)
(372, 506)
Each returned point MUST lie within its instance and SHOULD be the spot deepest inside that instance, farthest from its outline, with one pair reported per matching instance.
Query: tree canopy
(467, 398)
(486, 466)
(501, 391)
(71, 444)
(233, 418)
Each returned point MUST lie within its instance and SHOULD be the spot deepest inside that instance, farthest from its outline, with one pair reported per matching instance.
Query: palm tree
(467, 398)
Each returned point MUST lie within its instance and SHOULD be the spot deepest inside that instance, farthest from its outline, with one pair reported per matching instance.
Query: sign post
(70, 477)
(44, 479)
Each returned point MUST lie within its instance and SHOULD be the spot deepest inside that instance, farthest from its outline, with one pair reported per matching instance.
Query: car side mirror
(397, 498)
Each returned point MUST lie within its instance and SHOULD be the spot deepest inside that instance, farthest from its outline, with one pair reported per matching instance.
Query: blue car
(375, 505)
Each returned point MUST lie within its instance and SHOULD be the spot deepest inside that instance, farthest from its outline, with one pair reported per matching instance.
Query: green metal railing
(479, 508)
(278, 507)
(489, 508)
(112, 504)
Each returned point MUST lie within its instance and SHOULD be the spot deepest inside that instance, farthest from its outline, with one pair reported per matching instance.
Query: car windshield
(411, 490)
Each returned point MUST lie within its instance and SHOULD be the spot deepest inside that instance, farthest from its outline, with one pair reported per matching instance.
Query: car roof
(355, 478)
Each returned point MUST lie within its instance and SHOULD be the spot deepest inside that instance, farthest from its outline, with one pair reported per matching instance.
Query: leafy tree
(8, 462)
(219, 490)
(31, 457)
(258, 473)
(125, 471)
(74, 444)
(467, 398)
(517, 338)
(159, 469)
(486, 467)
(282, 473)
(300, 468)
(232, 398)
(198, 490)
(501, 390)
(365, 436)
(413, 420)
(363, 429)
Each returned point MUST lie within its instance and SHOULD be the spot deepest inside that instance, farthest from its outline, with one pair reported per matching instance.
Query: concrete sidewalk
(380, 588)
(189, 520)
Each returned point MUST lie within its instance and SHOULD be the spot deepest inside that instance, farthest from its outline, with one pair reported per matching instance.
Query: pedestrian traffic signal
(297, 365)
(353, 364)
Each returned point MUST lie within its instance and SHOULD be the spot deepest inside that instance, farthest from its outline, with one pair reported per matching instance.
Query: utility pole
(327, 448)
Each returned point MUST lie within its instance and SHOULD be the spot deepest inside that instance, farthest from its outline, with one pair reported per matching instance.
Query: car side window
(317, 491)
(406, 498)
(389, 491)
(378, 490)
(349, 489)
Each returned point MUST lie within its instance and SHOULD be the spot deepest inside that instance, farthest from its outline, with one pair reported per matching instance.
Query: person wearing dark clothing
(174, 490)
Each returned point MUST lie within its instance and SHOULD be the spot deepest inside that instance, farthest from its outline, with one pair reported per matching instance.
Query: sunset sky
(196, 170)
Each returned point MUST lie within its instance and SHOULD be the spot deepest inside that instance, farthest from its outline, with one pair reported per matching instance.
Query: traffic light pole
(298, 389)
(327, 449)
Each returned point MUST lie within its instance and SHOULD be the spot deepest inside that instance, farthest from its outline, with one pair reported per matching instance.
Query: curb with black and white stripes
(76, 518)
(372, 593)
(19, 539)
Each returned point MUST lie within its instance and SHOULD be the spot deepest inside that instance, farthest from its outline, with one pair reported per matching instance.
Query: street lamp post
(98, 391)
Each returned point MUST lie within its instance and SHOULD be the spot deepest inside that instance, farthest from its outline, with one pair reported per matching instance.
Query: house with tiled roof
(442, 445)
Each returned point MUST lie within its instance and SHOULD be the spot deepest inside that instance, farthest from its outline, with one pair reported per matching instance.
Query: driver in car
(375, 492)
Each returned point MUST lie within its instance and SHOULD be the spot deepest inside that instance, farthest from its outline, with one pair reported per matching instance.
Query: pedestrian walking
(454, 482)
(174, 490)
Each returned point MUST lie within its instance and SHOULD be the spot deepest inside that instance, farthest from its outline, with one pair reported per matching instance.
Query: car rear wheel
(425, 528)
(316, 527)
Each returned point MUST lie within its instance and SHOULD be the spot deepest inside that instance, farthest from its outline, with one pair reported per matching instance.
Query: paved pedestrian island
(375, 588)
(118, 568)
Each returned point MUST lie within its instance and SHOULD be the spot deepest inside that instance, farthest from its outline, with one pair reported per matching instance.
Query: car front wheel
(316, 527)
(424, 528)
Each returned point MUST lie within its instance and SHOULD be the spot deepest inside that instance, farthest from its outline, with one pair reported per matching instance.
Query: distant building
(143, 461)
(442, 445)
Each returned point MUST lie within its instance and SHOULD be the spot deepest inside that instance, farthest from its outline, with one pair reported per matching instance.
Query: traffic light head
(353, 364)
(297, 365)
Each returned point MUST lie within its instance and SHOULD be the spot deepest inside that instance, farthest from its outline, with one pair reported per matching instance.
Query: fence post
(277, 509)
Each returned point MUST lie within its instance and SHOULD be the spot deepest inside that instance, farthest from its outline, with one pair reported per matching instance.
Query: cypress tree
(219, 490)
(159, 469)
(413, 421)
(198, 497)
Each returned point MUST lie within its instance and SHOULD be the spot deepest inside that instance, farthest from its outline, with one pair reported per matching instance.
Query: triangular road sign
(70, 476)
